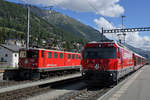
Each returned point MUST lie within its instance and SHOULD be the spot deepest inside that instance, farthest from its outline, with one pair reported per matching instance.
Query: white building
(9, 55)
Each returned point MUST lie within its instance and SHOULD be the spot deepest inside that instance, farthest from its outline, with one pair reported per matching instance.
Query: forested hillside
(13, 22)
(69, 24)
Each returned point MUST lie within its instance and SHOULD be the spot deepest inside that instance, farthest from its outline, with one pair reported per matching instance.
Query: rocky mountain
(69, 24)
(139, 51)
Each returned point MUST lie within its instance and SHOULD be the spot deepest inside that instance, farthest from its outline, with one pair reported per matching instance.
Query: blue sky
(136, 12)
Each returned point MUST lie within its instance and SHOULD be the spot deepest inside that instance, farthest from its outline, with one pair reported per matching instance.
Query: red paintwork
(45, 62)
(124, 59)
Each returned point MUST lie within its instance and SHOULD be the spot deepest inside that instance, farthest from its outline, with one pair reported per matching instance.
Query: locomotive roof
(51, 50)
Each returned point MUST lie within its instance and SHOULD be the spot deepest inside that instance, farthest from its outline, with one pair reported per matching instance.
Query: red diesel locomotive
(106, 62)
(34, 62)
(37, 63)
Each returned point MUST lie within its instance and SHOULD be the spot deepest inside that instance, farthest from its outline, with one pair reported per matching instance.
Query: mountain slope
(69, 24)
(144, 53)
(13, 25)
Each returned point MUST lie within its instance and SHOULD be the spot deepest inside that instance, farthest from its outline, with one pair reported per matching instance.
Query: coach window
(69, 56)
(55, 55)
(73, 56)
(49, 55)
(61, 55)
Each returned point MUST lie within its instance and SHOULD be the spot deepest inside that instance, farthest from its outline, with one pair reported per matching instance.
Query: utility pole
(102, 34)
(124, 34)
(28, 27)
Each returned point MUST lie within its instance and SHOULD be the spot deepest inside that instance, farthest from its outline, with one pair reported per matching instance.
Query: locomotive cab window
(32, 54)
(55, 55)
(22, 54)
(97, 53)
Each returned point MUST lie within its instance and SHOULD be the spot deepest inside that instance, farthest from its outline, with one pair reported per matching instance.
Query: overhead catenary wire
(96, 10)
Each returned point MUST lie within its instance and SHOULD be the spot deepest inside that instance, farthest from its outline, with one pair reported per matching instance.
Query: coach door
(121, 65)
(42, 59)
(68, 60)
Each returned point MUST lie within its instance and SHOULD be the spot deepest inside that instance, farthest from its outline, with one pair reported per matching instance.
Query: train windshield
(96, 53)
(32, 54)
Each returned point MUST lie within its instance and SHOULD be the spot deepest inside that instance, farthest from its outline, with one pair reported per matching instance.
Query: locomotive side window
(49, 55)
(55, 55)
(69, 56)
(61, 55)
(73, 56)
(42, 54)
(77, 57)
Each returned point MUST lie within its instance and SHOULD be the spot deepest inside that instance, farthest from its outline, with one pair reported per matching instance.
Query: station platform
(134, 87)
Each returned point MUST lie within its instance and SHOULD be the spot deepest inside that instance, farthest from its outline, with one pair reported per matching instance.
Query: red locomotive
(106, 62)
(37, 63)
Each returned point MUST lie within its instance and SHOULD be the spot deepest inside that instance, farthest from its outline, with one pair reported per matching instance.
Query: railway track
(80, 93)
(92, 93)
(34, 88)
(6, 83)
(85, 94)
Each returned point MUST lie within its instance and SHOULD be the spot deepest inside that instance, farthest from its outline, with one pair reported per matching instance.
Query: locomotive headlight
(26, 61)
(111, 74)
(97, 66)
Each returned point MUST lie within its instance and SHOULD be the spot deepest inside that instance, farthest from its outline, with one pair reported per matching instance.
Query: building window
(6, 55)
(49, 55)
(15, 55)
(2, 59)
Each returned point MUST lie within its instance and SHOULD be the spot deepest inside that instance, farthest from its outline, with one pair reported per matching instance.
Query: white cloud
(133, 38)
(109, 8)
(136, 40)
(106, 25)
